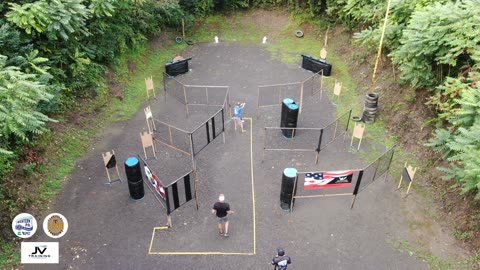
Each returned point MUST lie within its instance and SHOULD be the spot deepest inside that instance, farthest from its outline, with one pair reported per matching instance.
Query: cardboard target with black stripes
(408, 173)
(110, 162)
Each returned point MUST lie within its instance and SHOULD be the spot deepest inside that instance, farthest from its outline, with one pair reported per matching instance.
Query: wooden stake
(169, 221)
(195, 180)
(326, 37)
(183, 28)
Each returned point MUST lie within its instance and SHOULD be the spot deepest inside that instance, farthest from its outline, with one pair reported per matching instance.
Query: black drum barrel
(286, 191)
(289, 117)
(134, 178)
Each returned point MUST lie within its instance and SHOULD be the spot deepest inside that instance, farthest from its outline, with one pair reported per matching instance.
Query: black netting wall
(206, 95)
(208, 131)
(174, 88)
(270, 95)
(196, 94)
(377, 169)
(335, 129)
(169, 135)
(180, 192)
(302, 140)
(218, 122)
(312, 84)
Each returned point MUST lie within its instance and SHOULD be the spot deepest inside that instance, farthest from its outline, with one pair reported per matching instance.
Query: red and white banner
(155, 182)
(328, 179)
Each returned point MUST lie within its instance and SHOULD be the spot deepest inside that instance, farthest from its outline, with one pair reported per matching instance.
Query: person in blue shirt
(237, 115)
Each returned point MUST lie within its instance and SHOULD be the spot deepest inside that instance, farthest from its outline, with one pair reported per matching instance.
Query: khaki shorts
(222, 219)
(237, 120)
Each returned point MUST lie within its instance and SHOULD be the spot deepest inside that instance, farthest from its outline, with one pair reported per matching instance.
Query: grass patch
(437, 263)
(8, 255)
(146, 63)
(71, 146)
(229, 29)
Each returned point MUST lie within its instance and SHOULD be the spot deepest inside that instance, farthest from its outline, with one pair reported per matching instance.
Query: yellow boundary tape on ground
(253, 187)
(253, 212)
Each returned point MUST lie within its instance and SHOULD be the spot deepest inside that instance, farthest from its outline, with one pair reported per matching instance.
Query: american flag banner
(328, 179)
(155, 182)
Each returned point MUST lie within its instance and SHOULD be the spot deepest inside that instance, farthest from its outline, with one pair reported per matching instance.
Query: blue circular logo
(24, 225)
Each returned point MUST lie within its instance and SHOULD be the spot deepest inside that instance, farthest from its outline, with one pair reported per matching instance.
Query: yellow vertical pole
(372, 84)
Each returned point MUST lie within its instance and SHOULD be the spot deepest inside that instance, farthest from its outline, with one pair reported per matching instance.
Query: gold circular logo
(55, 225)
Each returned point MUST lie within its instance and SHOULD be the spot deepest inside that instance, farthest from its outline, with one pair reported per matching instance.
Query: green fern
(20, 94)
(460, 143)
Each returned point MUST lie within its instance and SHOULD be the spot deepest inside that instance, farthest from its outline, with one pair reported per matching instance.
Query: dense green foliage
(55, 52)
(20, 95)
(436, 46)
(460, 142)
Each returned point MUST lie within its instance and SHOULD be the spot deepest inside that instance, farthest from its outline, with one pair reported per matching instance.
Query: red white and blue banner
(328, 179)
(155, 182)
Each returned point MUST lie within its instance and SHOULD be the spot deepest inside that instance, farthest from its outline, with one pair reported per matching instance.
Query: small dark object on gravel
(189, 42)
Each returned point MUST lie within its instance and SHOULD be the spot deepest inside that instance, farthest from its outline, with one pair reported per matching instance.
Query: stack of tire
(370, 109)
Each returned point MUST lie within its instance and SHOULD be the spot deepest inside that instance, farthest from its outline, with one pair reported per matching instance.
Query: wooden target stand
(408, 174)
(149, 86)
(358, 131)
(147, 141)
(323, 56)
(110, 162)
(337, 89)
(149, 118)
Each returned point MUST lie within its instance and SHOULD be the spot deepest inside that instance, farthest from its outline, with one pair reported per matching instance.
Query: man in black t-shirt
(222, 209)
(281, 261)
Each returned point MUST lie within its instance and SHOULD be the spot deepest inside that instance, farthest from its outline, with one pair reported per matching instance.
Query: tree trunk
(323, 6)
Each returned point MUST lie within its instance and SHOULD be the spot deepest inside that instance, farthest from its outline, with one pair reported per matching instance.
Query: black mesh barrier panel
(171, 136)
(377, 169)
(208, 131)
(179, 192)
(304, 140)
(312, 84)
(335, 129)
(174, 88)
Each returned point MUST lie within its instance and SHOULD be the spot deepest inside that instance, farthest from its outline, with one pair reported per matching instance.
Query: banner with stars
(155, 182)
(328, 179)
